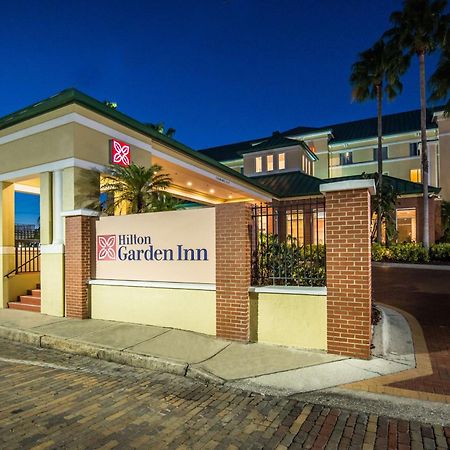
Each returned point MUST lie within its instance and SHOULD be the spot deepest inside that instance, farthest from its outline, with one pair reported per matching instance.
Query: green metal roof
(69, 96)
(393, 124)
(299, 184)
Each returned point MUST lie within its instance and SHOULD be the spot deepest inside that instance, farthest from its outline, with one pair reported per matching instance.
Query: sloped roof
(299, 184)
(69, 96)
(398, 123)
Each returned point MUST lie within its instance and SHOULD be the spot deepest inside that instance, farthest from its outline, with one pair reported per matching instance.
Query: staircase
(29, 302)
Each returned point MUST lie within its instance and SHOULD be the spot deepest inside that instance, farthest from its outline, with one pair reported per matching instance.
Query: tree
(419, 29)
(375, 73)
(112, 105)
(440, 81)
(137, 189)
(159, 127)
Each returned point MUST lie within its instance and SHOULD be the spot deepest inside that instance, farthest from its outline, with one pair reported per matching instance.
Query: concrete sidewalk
(257, 367)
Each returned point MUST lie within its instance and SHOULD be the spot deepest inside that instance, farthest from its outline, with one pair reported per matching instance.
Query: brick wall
(78, 257)
(233, 271)
(349, 284)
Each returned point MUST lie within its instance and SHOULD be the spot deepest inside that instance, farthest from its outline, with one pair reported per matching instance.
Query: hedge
(411, 253)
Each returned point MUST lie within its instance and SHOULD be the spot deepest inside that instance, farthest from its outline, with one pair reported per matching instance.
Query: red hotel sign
(120, 153)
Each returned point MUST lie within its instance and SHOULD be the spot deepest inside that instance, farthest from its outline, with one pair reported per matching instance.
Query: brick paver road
(425, 294)
(50, 400)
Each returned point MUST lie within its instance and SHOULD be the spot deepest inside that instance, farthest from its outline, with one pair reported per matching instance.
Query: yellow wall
(295, 320)
(7, 254)
(192, 310)
(444, 155)
(52, 284)
(21, 283)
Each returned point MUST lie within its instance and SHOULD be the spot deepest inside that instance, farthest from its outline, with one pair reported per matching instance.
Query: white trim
(58, 223)
(81, 120)
(444, 134)
(324, 134)
(52, 249)
(27, 189)
(348, 186)
(80, 212)
(51, 167)
(405, 158)
(297, 290)
(7, 250)
(155, 284)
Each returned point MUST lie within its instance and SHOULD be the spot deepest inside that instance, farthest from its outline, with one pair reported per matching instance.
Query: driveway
(425, 294)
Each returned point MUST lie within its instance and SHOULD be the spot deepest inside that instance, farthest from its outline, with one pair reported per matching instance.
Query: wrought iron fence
(27, 255)
(288, 243)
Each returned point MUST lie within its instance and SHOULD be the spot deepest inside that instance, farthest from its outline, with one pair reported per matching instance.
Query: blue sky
(218, 71)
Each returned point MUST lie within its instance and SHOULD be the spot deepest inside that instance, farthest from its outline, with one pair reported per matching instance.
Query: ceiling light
(211, 191)
(230, 196)
(189, 183)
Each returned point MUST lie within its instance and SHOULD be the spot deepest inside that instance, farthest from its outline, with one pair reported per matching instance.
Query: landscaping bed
(412, 253)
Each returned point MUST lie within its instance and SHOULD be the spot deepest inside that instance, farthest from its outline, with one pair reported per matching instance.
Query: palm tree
(440, 81)
(135, 188)
(377, 72)
(419, 29)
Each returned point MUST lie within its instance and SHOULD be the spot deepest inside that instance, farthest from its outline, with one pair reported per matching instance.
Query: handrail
(16, 269)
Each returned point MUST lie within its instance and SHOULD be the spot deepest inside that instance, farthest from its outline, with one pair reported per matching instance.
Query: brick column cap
(80, 212)
(348, 185)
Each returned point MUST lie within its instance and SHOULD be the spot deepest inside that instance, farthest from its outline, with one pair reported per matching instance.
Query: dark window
(345, 158)
(384, 151)
(414, 149)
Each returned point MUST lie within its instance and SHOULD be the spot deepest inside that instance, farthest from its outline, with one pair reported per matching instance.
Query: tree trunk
(380, 160)
(423, 131)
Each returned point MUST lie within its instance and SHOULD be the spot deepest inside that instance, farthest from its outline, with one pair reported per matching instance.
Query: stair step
(30, 300)
(24, 306)
(36, 293)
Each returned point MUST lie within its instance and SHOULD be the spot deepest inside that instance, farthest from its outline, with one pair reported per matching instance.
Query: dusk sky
(218, 71)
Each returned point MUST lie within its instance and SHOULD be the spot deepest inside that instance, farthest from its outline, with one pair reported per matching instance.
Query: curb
(103, 353)
(411, 266)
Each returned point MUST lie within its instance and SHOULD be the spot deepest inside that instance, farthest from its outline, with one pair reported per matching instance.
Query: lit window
(406, 224)
(281, 161)
(258, 162)
(345, 158)
(269, 163)
(415, 175)
(319, 226)
(295, 226)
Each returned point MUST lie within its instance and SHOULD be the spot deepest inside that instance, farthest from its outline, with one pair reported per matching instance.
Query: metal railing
(28, 252)
(288, 243)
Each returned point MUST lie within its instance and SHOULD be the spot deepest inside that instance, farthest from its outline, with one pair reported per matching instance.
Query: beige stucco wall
(185, 309)
(296, 320)
(52, 284)
(444, 156)
(44, 147)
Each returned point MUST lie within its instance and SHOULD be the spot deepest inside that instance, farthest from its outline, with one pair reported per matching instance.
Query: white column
(58, 229)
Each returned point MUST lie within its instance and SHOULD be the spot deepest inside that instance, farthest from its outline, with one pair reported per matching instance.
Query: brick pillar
(78, 264)
(233, 271)
(349, 277)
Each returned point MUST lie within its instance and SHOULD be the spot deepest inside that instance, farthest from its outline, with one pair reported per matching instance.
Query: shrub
(378, 252)
(440, 252)
(407, 253)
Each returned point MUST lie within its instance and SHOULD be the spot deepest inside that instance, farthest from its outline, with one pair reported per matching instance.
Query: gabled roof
(70, 96)
(393, 124)
(291, 184)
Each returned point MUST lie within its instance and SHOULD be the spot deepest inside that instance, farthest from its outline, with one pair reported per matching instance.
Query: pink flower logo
(120, 153)
(106, 247)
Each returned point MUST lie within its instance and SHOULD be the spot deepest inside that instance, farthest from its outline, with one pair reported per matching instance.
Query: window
(319, 227)
(384, 151)
(406, 224)
(295, 226)
(345, 158)
(258, 164)
(414, 149)
(281, 161)
(269, 163)
(415, 175)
